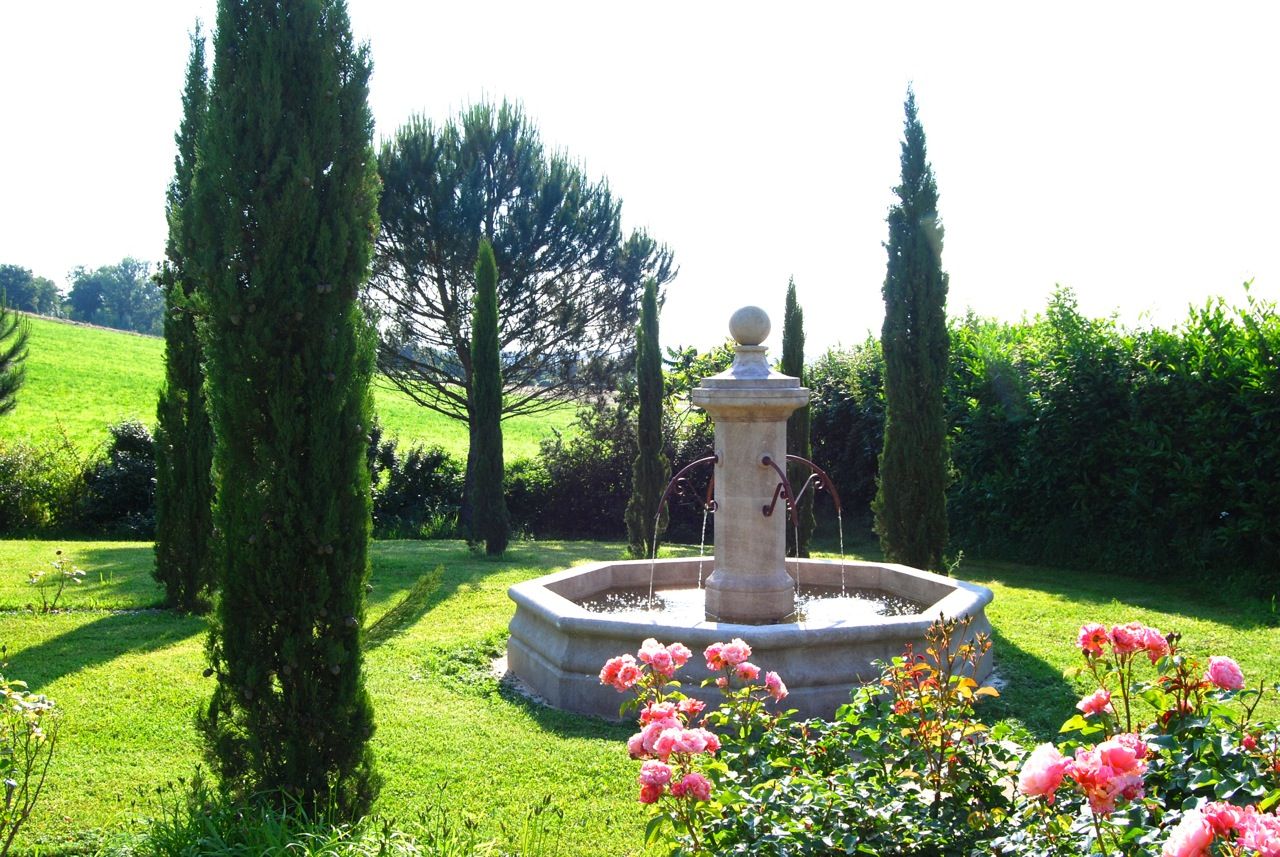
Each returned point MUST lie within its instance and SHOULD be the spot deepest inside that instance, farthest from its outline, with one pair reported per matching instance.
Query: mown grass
(129, 680)
(112, 376)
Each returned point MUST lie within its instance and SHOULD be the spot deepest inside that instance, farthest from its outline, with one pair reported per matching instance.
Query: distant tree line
(124, 296)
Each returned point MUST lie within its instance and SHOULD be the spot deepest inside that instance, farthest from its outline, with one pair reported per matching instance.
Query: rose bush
(1164, 757)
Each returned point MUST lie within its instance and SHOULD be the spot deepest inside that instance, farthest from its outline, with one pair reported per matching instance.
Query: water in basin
(686, 605)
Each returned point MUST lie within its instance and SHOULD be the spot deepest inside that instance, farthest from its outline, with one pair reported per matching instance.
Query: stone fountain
(557, 645)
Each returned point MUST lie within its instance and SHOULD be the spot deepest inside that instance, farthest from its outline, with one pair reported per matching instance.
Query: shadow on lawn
(1031, 690)
(99, 642)
(1097, 588)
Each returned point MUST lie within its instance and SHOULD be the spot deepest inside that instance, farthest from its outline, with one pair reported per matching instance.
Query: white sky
(1126, 150)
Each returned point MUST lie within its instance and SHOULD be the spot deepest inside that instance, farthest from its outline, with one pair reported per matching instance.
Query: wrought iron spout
(818, 478)
(783, 489)
(678, 482)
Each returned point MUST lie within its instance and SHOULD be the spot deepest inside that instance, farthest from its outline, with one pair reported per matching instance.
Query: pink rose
(652, 733)
(1260, 833)
(654, 773)
(1155, 644)
(662, 663)
(1191, 838)
(691, 707)
(680, 654)
(747, 671)
(1248, 743)
(696, 786)
(1112, 769)
(1129, 638)
(1092, 638)
(689, 741)
(1225, 673)
(621, 672)
(1096, 703)
(714, 654)
(665, 744)
(773, 684)
(650, 794)
(722, 683)
(735, 652)
(1134, 743)
(710, 741)
(1222, 817)
(1123, 754)
(635, 746)
(658, 711)
(647, 649)
(1042, 772)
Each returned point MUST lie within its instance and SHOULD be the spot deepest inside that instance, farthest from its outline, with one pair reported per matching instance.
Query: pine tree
(910, 505)
(490, 522)
(651, 470)
(798, 423)
(184, 438)
(285, 197)
(14, 332)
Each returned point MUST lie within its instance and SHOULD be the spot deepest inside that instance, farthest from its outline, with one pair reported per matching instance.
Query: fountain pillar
(749, 404)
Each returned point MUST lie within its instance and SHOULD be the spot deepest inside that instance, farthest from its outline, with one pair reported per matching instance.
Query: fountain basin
(557, 647)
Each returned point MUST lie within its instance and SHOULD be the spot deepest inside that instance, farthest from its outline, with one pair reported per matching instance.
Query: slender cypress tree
(14, 333)
(286, 195)
(184, 438)
(490, 522)
(910, 505)
(651, 470)
(798, 423)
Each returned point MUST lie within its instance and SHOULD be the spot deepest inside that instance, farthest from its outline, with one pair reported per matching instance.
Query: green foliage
(14, 334)
(847, 423)
(652, 469)
(124, 296)
(490, 522)
(184, 438)
(21, 290)
(285, 209)
(568, 281)
(28, 734)
(40, 486)
(910, 505)
(120, 489)
(416, 492)
(798, 423)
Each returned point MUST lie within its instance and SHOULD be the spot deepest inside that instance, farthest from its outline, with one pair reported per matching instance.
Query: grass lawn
(128, 677)
(111, 376)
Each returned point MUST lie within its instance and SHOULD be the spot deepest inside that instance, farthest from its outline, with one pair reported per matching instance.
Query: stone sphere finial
(749, 326)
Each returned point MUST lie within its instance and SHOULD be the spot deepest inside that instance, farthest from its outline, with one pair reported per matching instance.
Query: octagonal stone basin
(557, 647)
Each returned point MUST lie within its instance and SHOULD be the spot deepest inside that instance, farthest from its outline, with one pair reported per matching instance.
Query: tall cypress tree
(286, 195)
(490, 522)
(910, 505)
(184, 438)
(798, 423)
(651, 470)
(14, 333)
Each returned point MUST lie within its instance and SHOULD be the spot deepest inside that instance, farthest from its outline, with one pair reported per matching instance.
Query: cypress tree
(798, 423)
(910, 505)
(286, 195)
(184, 438)
(490, 522)
(651, 470)
(14, 332)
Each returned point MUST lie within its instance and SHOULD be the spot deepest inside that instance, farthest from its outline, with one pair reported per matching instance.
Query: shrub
(40, 486)
(119, 496)
(416, 493)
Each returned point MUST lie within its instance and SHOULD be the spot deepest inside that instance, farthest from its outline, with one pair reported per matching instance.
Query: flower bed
(1163, 758)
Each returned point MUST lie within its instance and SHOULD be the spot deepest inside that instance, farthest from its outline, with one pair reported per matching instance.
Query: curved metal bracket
(783, 489)
(818, 478)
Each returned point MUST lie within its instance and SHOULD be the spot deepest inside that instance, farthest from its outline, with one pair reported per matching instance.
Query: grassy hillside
(81, 379)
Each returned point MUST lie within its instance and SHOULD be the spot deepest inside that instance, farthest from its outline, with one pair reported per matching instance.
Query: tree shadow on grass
(1177, 599)
(1032, 690)
(100, 641)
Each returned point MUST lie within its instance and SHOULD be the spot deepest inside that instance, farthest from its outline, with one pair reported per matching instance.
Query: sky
(1127, 151)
